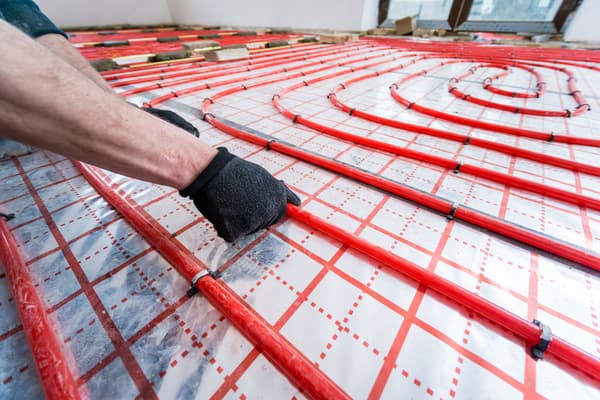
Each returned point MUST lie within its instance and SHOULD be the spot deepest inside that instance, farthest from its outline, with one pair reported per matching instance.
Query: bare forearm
(47, 103)
(64, 50)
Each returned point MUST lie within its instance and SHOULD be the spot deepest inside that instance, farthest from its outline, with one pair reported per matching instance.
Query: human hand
(173, 118)
(239, 197)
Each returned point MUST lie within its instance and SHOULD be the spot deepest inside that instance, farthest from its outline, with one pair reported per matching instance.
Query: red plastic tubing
(294, 365)
(524, 329)
(506, 179)
(459, 137)
(56, 378)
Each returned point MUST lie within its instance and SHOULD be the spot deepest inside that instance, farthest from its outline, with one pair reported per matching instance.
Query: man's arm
(46, 102)
(65, 50)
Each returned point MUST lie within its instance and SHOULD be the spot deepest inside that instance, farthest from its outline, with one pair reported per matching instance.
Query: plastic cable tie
(466, 96)
(160, 86)
(352, 69)
(7, 217)
(568, 113)
(302, 73)
(410, 105)
(583, 105)
(147, 105)
(174, 94)
(342, 86)
(295, 120)
(457, 168)
(351, 111)
(452, 89)
(275, 95)
(575, 91)
(209, 100)
(468, 139)
(330, 95)
(207, 114)
(377, 73)
(193, 289)
(244, 87)
(552, 136)
(538, 350)
(570, 78)
(452, 212)
(514, 94)
(517, 110)
(394, 85)
(268, 145)
(305, 83)
(285, 69)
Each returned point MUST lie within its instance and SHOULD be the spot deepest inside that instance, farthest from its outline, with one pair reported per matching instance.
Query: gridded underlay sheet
(129, 330)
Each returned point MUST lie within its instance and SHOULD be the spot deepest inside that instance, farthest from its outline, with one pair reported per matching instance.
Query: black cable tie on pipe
(452, 89)
(589, 108)
(538, 350)
(174, 94)
(342, 86)
(275, 95)
(517, 110)
(285, 69)
(453, 80)
(193, 290)
(410, 105)
(377, 73)
(552, 136)
(452, 212)
(457, 168)
(305, 83)
(295, 120)
(352, 69)
(468, 140)
(248, 69)
(351, 111)
(244, 87)
(394, 85)
(160, 86)
(330, 95)
(206, 114)
(573, 93)
(7, 217)
(302, 73)
(147, 105)
(268, 145)
(466, 96)
(570, 78)
(209, 100)
(568, 113)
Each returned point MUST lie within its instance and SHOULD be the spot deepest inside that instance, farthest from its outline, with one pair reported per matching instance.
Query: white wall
(69, 13)
(303, 14)
(582, 26)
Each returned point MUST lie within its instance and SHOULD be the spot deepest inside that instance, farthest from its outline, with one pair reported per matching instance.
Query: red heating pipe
(240, 67)
(506, 179)
(526, 330)
(56, 378)
(457, 137)
(294, 365)
(222, 71)
(493, 224)
(475, 123)
(522, 328)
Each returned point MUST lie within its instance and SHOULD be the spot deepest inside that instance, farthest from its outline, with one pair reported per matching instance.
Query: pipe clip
(7, 217)
(268, 145)
(295, 120)
(589, 108)
(244, 87)
(538, 350)
(211, 101)
(468, 139)
(351, 111)
(275, 96)
(204, 115)
(452, 212)
(457, 168)
(193, 289)
(552, 136)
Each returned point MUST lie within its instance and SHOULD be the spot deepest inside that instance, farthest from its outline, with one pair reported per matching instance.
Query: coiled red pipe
(56, 378)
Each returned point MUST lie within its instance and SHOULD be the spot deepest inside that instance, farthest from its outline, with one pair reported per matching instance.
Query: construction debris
(201, 45)
(406, 25)
(170, 55)
(227, 53)
(337, 38)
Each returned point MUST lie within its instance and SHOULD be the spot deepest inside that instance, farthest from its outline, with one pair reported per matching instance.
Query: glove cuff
(214, 167)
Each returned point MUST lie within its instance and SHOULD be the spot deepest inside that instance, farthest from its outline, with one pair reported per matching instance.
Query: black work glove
(239, 197)
(173, 118)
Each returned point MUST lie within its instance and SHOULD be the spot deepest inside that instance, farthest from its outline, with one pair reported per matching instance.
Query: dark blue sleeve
(27, 16)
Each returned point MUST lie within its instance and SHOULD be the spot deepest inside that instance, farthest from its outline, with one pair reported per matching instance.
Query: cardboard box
(406, 26)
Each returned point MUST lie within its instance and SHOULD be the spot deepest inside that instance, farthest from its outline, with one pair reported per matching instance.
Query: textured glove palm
(239, 197)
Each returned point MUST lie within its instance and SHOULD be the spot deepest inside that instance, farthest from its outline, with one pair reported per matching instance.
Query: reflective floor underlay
(465, 176)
